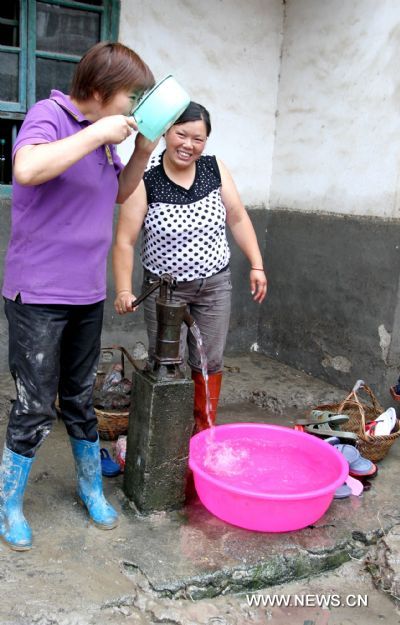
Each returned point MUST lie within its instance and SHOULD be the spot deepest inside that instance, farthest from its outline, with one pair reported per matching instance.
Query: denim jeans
(209, 303)
(52, 349)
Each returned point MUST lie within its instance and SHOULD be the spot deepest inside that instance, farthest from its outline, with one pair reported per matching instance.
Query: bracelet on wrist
(123, 291)
(256, 269)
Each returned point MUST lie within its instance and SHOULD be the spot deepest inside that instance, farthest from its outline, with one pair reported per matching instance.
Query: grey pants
(209, 303)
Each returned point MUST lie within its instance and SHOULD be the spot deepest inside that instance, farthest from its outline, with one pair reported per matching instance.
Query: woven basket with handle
(361, 413)
(113, 423)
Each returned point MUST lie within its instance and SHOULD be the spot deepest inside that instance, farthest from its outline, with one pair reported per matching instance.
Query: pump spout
(188, 319)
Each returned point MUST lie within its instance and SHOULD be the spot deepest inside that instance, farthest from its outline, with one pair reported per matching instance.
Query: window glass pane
(9, 23)
(10, 9)
(52, 74)
(9, 76)
(8, 131)
(66, 30)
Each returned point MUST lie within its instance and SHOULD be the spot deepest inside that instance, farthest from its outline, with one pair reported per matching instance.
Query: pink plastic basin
(265, 477)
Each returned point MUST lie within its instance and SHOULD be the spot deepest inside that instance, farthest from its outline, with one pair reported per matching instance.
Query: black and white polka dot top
(184, 229)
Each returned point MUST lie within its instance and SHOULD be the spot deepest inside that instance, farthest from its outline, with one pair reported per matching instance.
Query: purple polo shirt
(62, 229)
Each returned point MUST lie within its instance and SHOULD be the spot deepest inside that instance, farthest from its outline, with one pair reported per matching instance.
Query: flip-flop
(342, 492)
(357, 463)
(109, 468)
(355, 486)
(350, 487)
(373, 472)
(359, 467)
(384, 424)
(324, 429)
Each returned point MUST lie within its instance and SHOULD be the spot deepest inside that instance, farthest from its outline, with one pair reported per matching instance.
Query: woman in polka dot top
(182, 207)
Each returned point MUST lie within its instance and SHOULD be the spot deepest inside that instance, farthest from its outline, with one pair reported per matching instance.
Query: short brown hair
(108, 68)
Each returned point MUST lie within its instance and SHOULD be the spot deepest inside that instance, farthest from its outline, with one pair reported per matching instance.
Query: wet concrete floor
(188, 567)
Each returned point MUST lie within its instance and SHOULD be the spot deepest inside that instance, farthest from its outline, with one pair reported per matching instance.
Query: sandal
(323, 416)
(324, 429)
(109, 468)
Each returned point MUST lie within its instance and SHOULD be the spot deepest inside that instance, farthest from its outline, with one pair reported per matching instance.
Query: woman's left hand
(143, 144)
(258, 285)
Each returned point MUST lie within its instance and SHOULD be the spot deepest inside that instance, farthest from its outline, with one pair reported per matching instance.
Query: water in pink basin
(265, 477)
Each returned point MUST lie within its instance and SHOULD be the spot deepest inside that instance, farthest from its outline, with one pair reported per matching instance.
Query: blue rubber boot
(14, 473)
(90, 486)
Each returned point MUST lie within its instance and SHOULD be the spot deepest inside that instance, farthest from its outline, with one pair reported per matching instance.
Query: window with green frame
(40, 43)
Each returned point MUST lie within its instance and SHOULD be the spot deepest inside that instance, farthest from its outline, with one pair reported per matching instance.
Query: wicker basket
(112, 424)
(374, 448)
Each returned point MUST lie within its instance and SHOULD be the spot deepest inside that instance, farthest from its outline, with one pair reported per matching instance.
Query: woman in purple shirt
(67, 179)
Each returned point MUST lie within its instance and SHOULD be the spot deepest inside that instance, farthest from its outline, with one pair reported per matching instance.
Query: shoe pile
(360, 470)
(326, 424)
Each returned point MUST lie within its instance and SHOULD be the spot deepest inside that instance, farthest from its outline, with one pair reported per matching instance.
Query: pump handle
(165, 282)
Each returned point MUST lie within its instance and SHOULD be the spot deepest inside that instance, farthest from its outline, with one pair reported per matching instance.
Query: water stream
(204, 370)
(221, 457)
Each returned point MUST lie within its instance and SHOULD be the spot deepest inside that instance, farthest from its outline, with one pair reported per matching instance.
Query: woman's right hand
(123, 302)
(114, 128)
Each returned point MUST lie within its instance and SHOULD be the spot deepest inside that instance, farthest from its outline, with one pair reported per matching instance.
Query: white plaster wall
(226, 53)
(338, 133)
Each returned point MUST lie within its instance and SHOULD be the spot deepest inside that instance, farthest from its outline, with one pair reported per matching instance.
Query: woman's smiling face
(185, 143)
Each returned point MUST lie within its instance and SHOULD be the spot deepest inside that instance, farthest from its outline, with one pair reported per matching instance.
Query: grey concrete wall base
(160, 426)
(333, 303)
